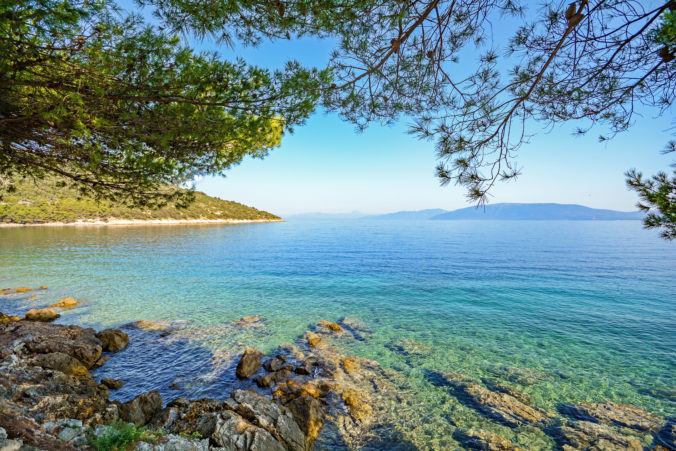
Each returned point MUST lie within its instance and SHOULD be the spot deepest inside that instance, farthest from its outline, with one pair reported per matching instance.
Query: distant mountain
(420, 214)
(539, 212)
(319, 215)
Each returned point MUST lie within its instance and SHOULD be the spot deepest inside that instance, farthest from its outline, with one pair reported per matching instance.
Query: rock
(100, 362)
(60, 361)
(42, 338)
(250, 321)
(7, 318)
(23, 290)
(351, 365)
(355, 402)
(69, 434)
(249, 363)
(113, 384)
(42, 315)
(157, 326)
(43, 287)
(666, 437)
(624, 415)
(173, 442)
(333, 327)
(307, 411)
(274, 378)
(274, 363)
(414, 349)
(113, 339)
(483, 440)
(494, 385)
(313, 340)
(521, 376)
(585, 435)
(65, 303)
(8, 445)
(498, 405)
(141, 409)
(275, 419)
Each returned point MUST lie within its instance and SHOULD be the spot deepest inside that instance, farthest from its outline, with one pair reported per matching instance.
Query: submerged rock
(329, 327)
(585, 435)
(666, 437)
(521, 376)
(499, 405)
(250, 321)
(624, 415)
(313, 340)
(141, 409)
(41, 315)
(65, 303)
(483, 440)
(249, 363)
(114, 384)
(113, 339)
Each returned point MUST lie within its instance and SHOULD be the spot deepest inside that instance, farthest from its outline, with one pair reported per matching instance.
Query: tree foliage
(122, 108)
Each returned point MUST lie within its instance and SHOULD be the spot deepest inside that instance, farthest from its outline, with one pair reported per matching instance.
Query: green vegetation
(123, 109)
(45, 201)
(121, 436)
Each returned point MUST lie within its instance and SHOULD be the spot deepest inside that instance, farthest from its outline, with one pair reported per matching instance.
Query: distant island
(514, 211)
(43, 202)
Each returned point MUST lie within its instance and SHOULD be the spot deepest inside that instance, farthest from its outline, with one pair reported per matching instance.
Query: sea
(564, 311)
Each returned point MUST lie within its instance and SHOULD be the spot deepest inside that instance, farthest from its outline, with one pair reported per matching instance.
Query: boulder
(113, 339)
(624, 415)
(23, 290)
(276, 377)
(249, 363)
(42, 315)
(141, 409)
(113, 384)
(60, 361)
(43, 287)
(43, 338)
(264, 413)
(65, 303)
(307, 411)
(274, 363)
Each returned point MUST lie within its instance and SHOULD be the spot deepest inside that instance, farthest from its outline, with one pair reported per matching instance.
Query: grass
(42, 201)
(121, 436)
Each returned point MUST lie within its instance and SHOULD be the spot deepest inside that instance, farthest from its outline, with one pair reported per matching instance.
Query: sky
(328, 166)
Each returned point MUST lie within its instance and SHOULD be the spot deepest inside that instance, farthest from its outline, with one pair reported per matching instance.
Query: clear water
(589, 306)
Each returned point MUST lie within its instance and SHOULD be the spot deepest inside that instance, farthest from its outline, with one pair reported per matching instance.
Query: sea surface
(587, 308)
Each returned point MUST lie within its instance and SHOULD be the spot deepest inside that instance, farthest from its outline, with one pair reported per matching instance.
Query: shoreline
(116, 222)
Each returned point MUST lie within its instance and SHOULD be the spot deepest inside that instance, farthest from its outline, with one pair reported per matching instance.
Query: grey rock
(68, 434)
(249, 363)
(141, 409)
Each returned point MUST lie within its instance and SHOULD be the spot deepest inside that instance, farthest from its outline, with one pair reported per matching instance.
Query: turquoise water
(588, 307)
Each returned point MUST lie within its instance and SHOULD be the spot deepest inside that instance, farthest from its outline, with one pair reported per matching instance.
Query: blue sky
(327, 166)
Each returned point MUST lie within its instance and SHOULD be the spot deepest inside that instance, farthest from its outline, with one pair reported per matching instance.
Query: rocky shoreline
(305, 394)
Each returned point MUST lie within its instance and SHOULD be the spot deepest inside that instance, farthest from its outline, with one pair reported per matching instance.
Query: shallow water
(564, 311)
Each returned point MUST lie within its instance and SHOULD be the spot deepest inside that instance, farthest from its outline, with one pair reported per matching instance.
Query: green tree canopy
(478, 94)
(123, 109)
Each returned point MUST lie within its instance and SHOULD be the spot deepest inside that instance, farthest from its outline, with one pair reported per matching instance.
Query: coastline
(116, 222)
